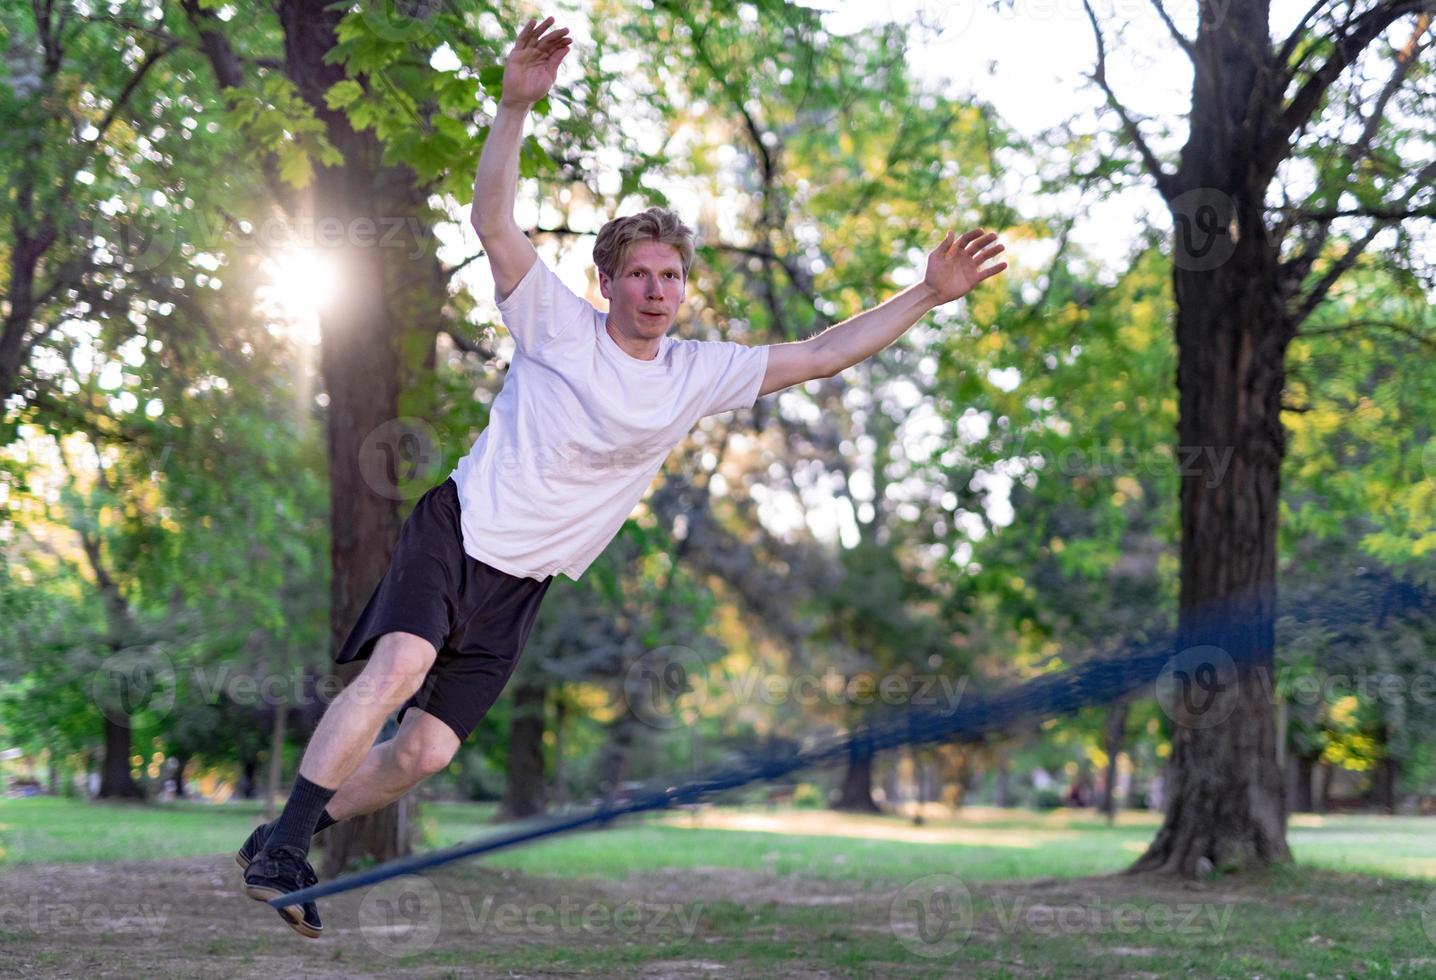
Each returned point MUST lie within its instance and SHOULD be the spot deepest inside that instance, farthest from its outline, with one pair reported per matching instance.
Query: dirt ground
(189, 918)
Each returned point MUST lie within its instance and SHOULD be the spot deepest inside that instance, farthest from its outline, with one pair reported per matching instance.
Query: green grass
(992, 844)
(817, 897)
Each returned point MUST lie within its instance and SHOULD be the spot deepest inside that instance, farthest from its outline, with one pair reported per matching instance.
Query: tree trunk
(247, 789)
(524, 794)
(276, 760)
(181, 763)
(1300, 766)
(1114, 735)
(560, 778)
(1225, 807)
(1323, 792)
(613, 757)
(857, 792)
(115, 779)
(366, 359)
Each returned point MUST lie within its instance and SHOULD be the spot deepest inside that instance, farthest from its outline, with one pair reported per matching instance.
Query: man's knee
(396, 668)
(420, 758)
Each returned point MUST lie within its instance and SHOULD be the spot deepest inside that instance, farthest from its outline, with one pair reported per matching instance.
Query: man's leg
(422, 746)
(345, 735)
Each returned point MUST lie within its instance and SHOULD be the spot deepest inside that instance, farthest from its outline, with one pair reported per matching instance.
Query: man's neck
(639, 348)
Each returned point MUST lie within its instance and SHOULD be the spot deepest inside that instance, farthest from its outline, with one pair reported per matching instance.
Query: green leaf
(342, 94)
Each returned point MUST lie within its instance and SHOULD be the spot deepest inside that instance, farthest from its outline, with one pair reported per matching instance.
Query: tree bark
(115, 779)
(857, 792)
(524, 794)
(1225, 807)
(1301, 767)
(1114, 735)
(367, 358)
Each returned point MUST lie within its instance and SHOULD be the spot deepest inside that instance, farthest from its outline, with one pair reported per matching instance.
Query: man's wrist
(515, 105)
(928, 294)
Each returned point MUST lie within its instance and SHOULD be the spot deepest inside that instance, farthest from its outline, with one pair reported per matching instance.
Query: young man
(591, 406)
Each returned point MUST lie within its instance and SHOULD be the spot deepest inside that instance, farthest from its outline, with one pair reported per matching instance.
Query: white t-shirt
(580, 429)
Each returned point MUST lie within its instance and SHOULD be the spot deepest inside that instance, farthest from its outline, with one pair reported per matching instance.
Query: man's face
(644, 297)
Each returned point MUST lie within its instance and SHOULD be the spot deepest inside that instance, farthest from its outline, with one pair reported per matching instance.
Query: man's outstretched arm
(529, 73)
(953, 268)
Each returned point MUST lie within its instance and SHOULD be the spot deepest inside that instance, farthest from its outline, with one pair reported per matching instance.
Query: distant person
(591, 406)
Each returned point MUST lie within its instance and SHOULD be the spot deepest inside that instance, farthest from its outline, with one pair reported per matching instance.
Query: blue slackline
(1097, 682)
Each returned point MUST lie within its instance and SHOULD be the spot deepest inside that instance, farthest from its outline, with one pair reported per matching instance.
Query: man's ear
(604, 285)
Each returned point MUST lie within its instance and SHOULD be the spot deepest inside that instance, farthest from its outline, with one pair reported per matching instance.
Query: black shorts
(476, 616)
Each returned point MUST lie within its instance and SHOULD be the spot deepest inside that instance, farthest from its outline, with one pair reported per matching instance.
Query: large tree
(1300, 153)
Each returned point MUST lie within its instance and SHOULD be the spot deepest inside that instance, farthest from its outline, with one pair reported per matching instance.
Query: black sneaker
(277, 871)
(252, 846)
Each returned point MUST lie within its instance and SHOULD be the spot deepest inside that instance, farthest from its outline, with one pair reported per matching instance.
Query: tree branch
(1405, 330)
(1165, 184)
(1367, 28)
(1182, 40)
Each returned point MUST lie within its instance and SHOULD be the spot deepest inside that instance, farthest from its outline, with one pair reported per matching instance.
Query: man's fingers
(977, 244)
(989, 273)
(968, 237)
(987, 254)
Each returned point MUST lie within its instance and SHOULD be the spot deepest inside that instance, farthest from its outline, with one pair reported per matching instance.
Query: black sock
(296, 825)
(325, 820)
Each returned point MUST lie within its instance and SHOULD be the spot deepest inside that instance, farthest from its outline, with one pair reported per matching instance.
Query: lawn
(152, 890)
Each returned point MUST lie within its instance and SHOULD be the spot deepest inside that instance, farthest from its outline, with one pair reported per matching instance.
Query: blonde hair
(617, 238)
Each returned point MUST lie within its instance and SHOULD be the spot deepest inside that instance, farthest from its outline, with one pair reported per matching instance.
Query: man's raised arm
(529, 73)
(953, 268)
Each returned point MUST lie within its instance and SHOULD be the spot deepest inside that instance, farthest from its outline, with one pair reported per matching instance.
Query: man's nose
(655, 288)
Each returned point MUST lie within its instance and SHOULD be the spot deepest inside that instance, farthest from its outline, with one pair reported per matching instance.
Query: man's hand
(958, 264)
(533, 63)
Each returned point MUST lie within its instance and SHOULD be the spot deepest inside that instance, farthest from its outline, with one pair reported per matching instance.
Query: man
(591, 406)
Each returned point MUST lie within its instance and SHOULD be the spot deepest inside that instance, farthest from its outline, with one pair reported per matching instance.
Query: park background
(246, 325)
